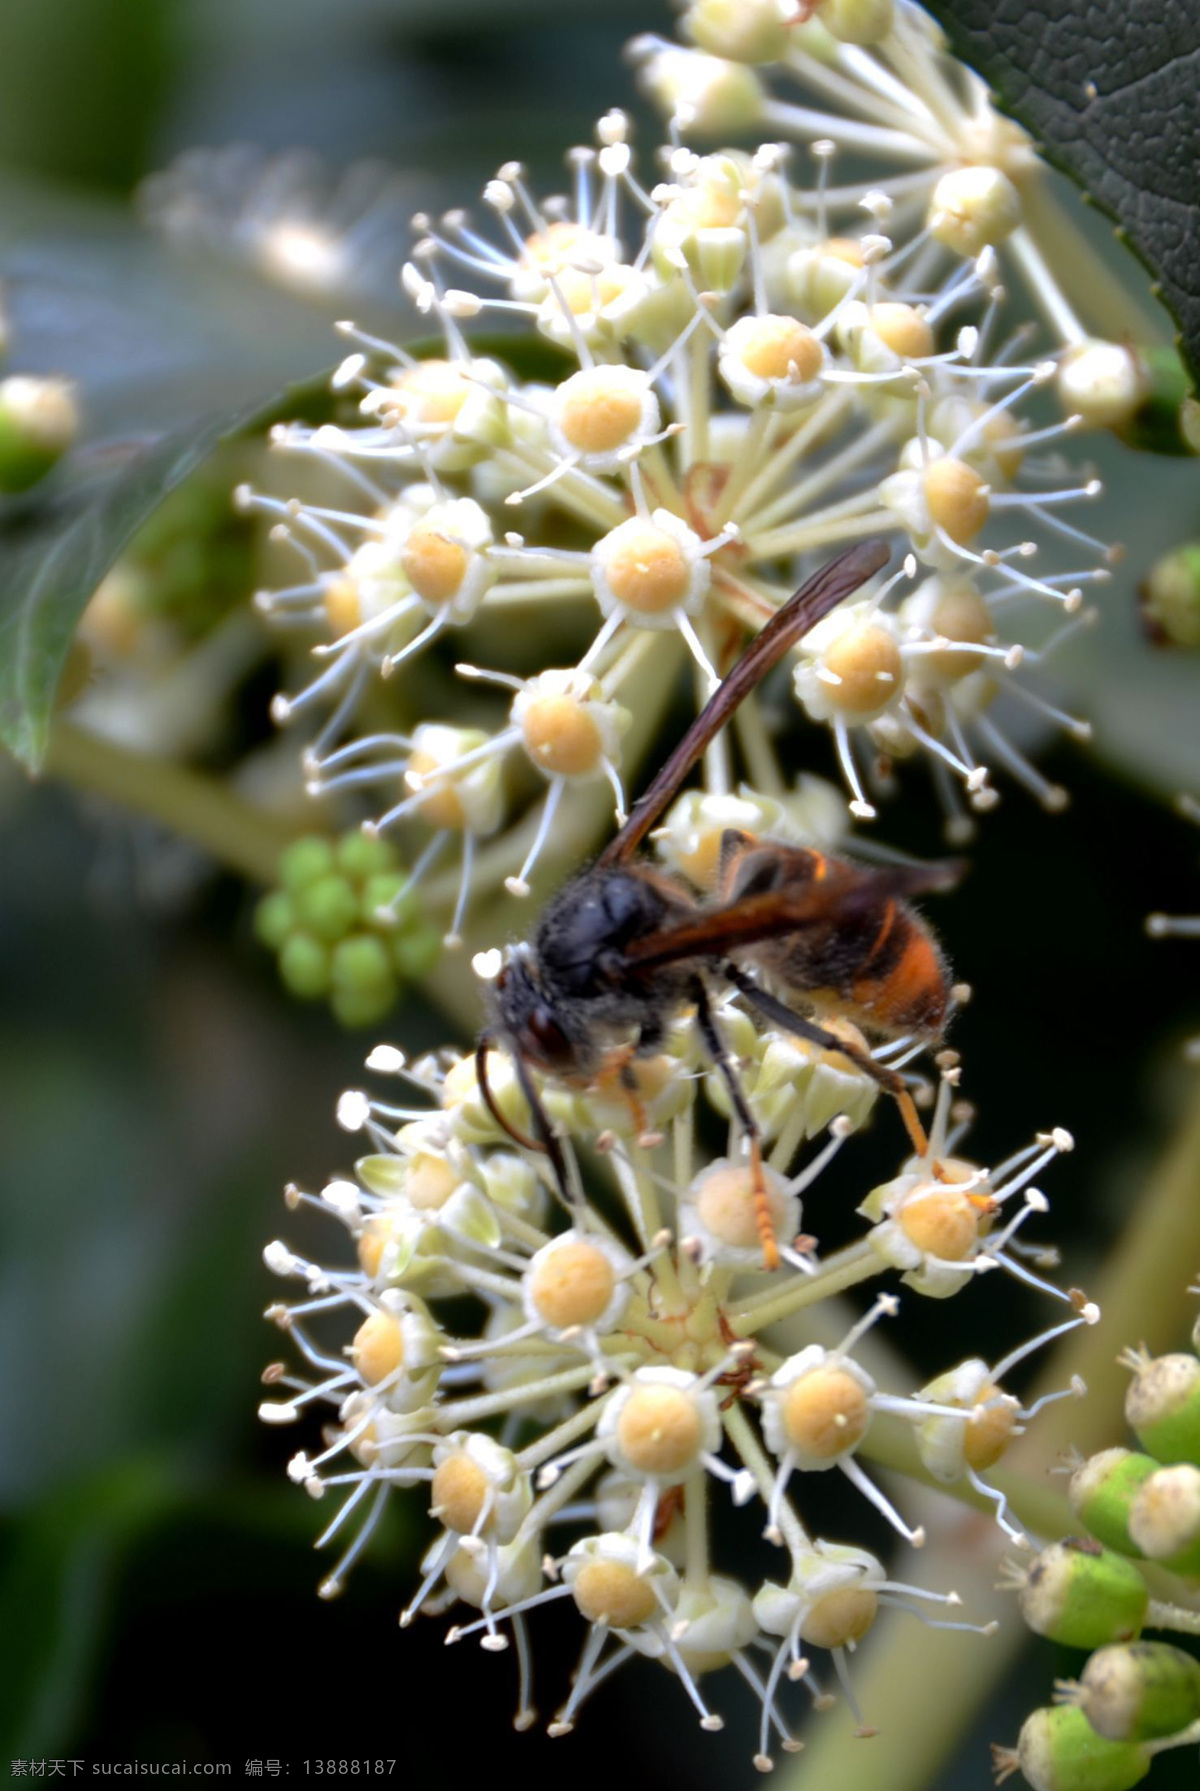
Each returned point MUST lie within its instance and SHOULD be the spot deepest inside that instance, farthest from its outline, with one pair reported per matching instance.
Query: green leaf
(1111, 94)
(50, 567)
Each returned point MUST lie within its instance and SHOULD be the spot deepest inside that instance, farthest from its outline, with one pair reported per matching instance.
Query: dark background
(157, 1089)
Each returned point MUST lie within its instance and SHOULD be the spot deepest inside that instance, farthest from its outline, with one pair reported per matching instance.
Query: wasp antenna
(802, 611)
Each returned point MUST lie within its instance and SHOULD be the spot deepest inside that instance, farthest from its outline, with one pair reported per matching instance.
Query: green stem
(190, 803)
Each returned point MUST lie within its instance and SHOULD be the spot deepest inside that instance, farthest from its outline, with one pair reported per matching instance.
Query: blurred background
(157, 1088)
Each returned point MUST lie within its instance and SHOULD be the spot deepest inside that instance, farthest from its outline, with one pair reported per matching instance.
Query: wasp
(624, 947)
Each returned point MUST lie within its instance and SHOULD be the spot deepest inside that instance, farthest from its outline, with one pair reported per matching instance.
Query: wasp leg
(715, 1045)
(546, 1140)
(782, 1015)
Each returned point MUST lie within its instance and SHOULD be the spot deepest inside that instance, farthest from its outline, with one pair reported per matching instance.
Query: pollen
(780, 348)
(660, 1430)
(990, 1428)
(825, 1412)
(434, 565)
(430, 1182)
(902, 329)
(725, 1205)
(378, 1348)
(431, 392)
(840, 1618)
(442, 805)
(572, 1284)
(941, 1221)
(460, 1493)
(600, 409)
(957, 497)
(561, 736)
(611, 1592)
(868, 669)
(343, 609)
(647, 568)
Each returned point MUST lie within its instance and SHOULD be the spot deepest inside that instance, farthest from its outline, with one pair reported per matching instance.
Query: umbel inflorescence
(617, 1378)
(739, 370)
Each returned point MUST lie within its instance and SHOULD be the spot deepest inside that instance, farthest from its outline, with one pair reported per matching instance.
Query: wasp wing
(821, 593)
(844, 891)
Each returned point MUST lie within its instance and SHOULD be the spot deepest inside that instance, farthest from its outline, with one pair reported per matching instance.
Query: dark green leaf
(1111, 94)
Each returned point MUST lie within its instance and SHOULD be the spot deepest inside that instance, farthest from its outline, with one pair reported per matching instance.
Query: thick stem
(191, 804)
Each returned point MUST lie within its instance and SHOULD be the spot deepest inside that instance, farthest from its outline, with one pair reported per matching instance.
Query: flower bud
(1102, 382)
(1162, 1406)
(752, 31)
(39, 420)
(1102, 1491)
(1140, 1691)
(304, 966)
(973, 207)
(857, 21)
(1164, 1519)
(703, 94)
(1170, 598)
(1083, 1595)
(1059, 1750)
(327, 907)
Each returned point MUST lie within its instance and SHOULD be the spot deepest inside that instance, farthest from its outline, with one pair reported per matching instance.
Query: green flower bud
(353, 1008)
(362, 963)
(743, 30)
(39, 420)
(1163, 1406)
(1164, 1519)
(361, 856)
(304, 861)
(1140, 1691)
(1102, 1491)
(384, 891)
(328, 907)
(416, 951)
(857, 21)
(1083, 1595)
(1158, 425)
(274, 919)
(304, 966)
(1170, 598)
(1058, 1750)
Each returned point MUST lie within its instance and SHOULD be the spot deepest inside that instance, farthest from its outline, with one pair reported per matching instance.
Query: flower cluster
(629, 1363)
(723, 387)
(875, 80)
(1134, 1699)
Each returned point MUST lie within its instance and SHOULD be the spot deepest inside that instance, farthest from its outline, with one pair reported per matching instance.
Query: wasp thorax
(941, 1220)
(571, 1284)
(612, 1592)
(825, 1412)
(378, 1348)
(660, 1430)
(840, 1618)
(956, 497)
(973, 207)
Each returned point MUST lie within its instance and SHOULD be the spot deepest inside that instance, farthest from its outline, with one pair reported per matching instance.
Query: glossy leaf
(1111, 94)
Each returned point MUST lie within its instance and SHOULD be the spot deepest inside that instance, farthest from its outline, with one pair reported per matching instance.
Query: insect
(624, 946)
